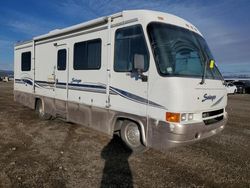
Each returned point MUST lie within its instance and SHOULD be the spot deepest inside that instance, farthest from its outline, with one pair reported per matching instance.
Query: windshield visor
(180, 52)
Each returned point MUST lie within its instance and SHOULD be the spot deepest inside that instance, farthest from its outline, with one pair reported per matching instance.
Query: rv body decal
(89, 87)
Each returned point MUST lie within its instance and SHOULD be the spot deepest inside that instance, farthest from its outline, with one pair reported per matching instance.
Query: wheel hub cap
(133, 135)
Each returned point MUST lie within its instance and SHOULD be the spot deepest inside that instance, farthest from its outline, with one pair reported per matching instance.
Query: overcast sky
(224, 23)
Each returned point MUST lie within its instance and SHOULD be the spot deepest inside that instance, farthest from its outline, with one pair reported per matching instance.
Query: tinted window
(128, 42)
(87, 55)
(61, 59)
(26, 61)
(239, 83)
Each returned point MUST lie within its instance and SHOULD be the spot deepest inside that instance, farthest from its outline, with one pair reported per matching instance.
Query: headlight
(190, 116)
(177, 117)
(187, 116)
(183, 117)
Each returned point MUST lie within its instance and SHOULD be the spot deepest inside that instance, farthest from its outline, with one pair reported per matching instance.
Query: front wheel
(40, 111)
(131, 135)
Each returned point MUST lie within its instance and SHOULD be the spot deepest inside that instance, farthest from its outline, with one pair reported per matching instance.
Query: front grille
(212, 113)
(213, 120)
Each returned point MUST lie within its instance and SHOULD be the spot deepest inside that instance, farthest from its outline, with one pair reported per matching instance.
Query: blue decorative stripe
(88, 89)
(61, 83)
(44, 82)
(135, 98)
(88, 85)
(24, 81)
(100, 88)
(217, 102)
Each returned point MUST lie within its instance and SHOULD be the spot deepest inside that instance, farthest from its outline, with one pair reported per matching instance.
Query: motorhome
(148, 76)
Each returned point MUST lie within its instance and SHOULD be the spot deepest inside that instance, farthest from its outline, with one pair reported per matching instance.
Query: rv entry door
(61, 76)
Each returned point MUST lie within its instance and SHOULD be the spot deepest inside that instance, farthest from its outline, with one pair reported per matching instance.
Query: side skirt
(100, 119)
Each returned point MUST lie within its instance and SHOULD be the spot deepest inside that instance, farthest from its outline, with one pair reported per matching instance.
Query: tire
(40, 111)
(131, 136)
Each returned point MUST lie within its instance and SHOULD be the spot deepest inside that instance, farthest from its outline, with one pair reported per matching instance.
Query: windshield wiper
(204, 72)
(204, 55)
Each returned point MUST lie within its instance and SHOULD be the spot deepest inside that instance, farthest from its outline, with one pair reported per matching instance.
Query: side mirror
(139, 66)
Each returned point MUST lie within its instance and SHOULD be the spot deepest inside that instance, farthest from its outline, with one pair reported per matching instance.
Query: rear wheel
(131, 135)
(40, 110)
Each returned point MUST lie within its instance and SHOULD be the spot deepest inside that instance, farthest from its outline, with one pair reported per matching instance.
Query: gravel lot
(35, 153)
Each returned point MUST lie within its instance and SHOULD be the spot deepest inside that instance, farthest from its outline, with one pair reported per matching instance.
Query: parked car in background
(231, 88)
(241, 87)
(6, 79)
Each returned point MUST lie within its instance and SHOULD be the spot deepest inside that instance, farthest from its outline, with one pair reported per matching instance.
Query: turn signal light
(173, 117)
(160, 18)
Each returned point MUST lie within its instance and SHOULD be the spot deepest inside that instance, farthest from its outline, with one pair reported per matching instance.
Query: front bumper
(163, 135)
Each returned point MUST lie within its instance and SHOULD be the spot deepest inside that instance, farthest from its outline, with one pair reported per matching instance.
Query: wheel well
(36, 100)
(120, 120)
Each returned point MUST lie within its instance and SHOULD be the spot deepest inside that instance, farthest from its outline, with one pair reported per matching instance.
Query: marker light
(183, 117)
(160, 18)
(211, 64)
(173, 117)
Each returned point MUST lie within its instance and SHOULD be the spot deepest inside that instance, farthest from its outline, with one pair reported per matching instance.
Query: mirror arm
(143, 77)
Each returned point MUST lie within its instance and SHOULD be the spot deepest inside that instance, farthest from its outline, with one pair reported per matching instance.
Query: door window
(61, 59)
(26, 61)
(128, 42)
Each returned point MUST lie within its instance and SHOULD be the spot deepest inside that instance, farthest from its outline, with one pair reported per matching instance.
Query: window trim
(63, 49)
(86, 41)
(147, 49)
(29, 63)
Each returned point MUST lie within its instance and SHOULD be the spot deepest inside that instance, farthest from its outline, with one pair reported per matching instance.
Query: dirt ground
(35, 153)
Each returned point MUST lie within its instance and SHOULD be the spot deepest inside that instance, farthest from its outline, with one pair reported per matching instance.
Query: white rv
(147, 75)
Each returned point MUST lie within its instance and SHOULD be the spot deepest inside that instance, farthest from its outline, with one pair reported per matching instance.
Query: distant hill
(6, 73)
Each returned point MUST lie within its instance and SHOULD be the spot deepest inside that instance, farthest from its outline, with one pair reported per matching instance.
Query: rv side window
(26, 61)
(87, 55)
(61, 59)
(128, 42)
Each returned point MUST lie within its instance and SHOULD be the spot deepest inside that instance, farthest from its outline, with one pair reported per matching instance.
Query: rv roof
(143, 14)
(78, 27)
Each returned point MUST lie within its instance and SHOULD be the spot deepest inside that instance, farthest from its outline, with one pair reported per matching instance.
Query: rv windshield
(180, 52)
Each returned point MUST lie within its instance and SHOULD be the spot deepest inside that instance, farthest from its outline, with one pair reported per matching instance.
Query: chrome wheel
(132, 134)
